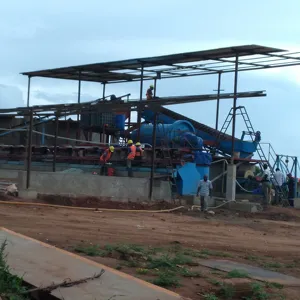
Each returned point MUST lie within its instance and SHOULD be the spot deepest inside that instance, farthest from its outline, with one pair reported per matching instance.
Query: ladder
(168, 163)
(241, 110)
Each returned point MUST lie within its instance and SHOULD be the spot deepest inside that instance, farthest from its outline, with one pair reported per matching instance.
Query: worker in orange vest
(149, 94)
(139, 151)
(105, 157)
(130, 157)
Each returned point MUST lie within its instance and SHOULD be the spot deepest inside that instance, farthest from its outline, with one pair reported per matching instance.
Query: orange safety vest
(139, 151)
(132, 152)
(105, 157)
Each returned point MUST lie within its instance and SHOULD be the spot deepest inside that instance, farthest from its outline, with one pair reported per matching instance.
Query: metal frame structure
(199, 63)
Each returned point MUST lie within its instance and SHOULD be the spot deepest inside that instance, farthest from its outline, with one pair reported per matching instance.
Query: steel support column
(29, 149)
(218, 100)
(103, 93)
(28, 90)
(153, 156)
(296, 179)
(55, 144)
(139, 118)
(154, 94)
(234, 107)
(78, 98)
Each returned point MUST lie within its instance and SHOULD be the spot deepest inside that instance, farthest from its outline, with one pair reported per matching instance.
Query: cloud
(10, 96)
(60, 98)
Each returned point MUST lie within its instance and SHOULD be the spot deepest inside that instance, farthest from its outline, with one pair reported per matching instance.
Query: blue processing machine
(177, 131)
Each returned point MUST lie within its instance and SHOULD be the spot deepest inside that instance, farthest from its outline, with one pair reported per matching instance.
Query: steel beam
(139, 119)
(28, 90)
(55, 144)
(218, 100)
(234, 107)
(153, 156)
(29, 150)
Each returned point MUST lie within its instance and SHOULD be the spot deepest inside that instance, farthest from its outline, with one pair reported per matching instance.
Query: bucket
(110, 171)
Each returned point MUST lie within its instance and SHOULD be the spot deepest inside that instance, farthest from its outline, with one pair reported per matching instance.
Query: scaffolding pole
(234, 107)
(29, 149)
(153, 156)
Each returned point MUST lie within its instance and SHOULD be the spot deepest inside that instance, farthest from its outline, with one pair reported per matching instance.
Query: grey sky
(45, 34)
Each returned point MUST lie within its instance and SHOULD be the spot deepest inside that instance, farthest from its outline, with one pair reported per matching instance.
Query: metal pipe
(234, 106)
(153, 156)
(296, 180)
(103, 93)
(43, 135)
(55, 144)
(218, 99)
(139, 119)
(154, 94)
(79, 96)
(29, 149)
(28, 90)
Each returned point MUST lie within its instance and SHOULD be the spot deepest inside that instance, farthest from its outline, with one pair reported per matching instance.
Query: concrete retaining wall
(119, 188)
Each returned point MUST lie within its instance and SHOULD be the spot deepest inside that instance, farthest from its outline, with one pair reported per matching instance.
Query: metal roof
(112, 106)
(175, 65)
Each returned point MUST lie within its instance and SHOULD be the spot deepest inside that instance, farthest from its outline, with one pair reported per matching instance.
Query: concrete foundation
(245, 205)
(28, 194)
(231, 182)
(210, 201)
(297, 202)
(118, 188)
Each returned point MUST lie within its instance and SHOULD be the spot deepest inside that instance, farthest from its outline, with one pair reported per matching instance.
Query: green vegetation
(258, 292)
(215, 253)
(188, 273)
(227, 291)
(142, 271)
(210, 296)
(166, 279)
(274, 285)
(214, 281)
(237, 274)
(272, 265)
(93, 250)
(168, 262)
(252, 258)
(9, 284)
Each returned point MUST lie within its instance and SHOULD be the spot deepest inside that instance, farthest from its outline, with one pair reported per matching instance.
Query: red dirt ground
(271, 236)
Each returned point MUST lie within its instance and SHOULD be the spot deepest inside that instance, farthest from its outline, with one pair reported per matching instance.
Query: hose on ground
(89, 208)
(214, 207)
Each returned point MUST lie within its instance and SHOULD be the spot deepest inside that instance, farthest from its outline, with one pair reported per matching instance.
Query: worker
(291, 187)
(130, 157)
(149, 94)
(278, 185)
(105, 157)
(138, 151)
(266, 185)
(204, 189)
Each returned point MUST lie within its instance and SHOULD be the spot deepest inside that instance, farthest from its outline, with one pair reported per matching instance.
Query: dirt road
(237, 234)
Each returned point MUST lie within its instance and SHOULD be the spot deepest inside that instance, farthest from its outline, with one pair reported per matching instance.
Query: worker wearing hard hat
(130, 157)
(105, 157)
(139, 151)
(149, 94)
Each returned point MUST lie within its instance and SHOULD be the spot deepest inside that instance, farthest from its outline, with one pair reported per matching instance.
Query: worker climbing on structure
(138, 151)
(104, 158)
(130, 157)
(149, 94)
